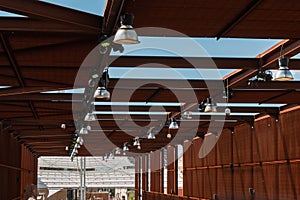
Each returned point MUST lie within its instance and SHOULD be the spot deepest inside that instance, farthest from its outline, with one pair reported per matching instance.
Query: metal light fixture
(126, 34)
(187, 115)
(117, 151)
(210, 107)
(169, 135)
(136, 142)
(83, 131)
(283, 73)
(79, 140)
(90, 117)
(101, 92)
(173, 124)
(63, 126)
(125, 147)
(150, 134)
(227, 109)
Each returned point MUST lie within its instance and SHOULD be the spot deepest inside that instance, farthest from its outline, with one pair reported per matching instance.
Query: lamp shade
(173, 124)
(83, 131)
(90, 117)
(102, 93)
(125, 147)
(210, 107)
(150, 134)
(126, 34)
(187, 115)
(136, 142)
(283, 73)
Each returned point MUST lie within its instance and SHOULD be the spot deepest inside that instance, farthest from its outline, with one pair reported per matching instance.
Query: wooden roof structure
(44, 51)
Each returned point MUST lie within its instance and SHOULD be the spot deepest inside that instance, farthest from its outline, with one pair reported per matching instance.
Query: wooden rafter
(46, 11)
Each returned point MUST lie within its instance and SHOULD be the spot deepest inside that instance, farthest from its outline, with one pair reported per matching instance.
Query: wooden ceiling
(44, 51)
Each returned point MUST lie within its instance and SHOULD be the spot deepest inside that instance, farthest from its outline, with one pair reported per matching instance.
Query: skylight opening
(224, 47)
(69, 91)
(4, 86)
(168, 73)
(66, 101)
(9, 14)
(222, 114)
(128, 113)
(136, 104)
(297, 56)
(95, 7)
(256, 105)
(208, 120)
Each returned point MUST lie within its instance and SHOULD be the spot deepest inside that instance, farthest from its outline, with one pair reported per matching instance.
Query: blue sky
(224, 47)
(90, 6)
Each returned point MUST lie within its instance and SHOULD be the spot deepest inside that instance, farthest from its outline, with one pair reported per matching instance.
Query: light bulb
(169, 135)
(227, 111)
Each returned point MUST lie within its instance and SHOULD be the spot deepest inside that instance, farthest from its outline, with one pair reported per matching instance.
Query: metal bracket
(274, 115)
(250, 121)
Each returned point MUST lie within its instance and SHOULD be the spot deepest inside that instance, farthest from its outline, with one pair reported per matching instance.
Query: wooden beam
(244, 13)
(43, 133)
(54, 143)
(178, 62)
(270, 85)
(37, 122)
(47, 11)
(37, 97)
(33, 25)
(136, 108)
(112, 14)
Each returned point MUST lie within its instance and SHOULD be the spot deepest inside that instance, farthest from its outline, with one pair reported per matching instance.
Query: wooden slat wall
(224, 158)
(10, 167)
(156, 172)
(187, 164)
(28, 176)
(145, 172)
(18, 169)
(136, 177)
(265, 157)
(171, 175)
